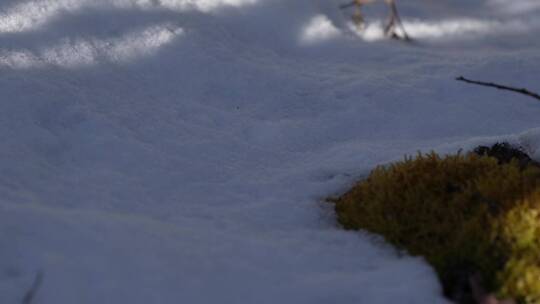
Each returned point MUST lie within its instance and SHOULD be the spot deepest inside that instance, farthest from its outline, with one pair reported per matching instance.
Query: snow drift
(179, 151)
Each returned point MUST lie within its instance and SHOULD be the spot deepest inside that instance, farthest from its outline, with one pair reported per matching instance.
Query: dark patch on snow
(505, 153)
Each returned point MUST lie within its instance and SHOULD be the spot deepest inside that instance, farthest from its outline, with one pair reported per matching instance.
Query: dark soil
(505, 153)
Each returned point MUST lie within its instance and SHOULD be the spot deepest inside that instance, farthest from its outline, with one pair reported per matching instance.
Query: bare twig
(500, 87)
(31, 293)
(395, 20)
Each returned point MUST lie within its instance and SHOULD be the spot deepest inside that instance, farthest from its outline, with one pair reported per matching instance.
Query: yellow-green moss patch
(465, 214)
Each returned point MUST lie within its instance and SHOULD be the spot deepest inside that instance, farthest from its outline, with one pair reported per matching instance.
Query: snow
(320, 28)
(180, 151)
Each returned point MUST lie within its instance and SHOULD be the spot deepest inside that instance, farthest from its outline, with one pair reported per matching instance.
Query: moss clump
(467, 215)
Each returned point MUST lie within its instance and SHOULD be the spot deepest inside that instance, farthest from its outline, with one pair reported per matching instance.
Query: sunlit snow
(87, 52)
(319, 28)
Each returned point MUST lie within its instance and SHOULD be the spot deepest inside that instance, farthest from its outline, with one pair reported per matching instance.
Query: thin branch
(31, 293)
(500, 87)
(396, 19)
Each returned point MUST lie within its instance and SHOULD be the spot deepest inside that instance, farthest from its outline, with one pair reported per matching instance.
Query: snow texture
(179, 151)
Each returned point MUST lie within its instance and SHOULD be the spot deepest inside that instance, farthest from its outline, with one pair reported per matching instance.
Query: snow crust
(180, 151)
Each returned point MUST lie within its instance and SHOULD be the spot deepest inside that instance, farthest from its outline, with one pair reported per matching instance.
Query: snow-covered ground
(179, 151)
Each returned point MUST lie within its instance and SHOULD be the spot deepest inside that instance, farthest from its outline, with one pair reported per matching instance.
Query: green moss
(465, 214)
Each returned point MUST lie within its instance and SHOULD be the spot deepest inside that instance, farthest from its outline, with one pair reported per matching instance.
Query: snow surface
(179, 151)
